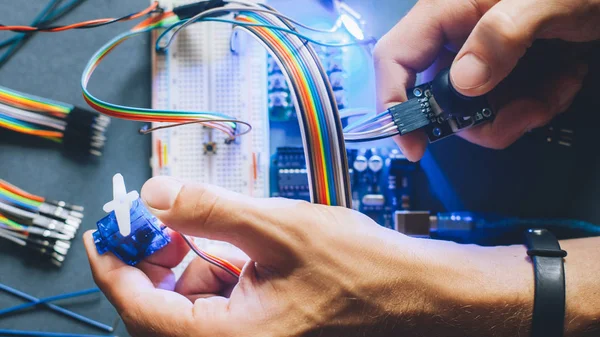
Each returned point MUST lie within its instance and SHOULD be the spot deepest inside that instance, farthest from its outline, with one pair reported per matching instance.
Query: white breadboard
(201, 73)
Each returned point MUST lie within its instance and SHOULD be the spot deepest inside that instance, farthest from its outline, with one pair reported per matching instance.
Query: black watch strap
(548, 318)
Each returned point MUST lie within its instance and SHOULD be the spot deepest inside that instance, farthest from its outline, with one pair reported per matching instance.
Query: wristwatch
(548, 319)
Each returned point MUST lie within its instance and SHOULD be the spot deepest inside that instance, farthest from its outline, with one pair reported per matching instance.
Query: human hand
(313, 271)
(485, 40)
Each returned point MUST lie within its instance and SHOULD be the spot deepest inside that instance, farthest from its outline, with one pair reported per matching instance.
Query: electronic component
(46, 227)
(289, 176)
(210, 148)
(129, 231)
(281, 107)
(380, 183)
(380, 180)
(555, 134)
(413, 223)
(439, 109)
(435, 107)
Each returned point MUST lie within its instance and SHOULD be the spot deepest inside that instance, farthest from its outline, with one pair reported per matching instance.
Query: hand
(313, 271)
(485, 40)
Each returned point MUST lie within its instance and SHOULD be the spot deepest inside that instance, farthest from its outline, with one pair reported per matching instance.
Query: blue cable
(20, 37)
(58, 309)
(6, 332)
(64, 9)
(160, 48)
(16, 308)
(42, 18)
(18, 204)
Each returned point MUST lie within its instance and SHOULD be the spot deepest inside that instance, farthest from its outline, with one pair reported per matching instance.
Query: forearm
(478, 291)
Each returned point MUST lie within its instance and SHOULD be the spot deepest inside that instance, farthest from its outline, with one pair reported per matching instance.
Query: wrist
(475, 291)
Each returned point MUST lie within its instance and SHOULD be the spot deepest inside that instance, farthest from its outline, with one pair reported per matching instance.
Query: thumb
(215, 213)
(498, 41)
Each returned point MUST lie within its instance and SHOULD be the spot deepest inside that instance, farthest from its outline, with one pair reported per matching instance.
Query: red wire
(152, 7)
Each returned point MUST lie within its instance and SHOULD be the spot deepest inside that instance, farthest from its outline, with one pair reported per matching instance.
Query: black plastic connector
(66, 205)
(193, 9)
(410, 115)
(440, 110)
(85, 132)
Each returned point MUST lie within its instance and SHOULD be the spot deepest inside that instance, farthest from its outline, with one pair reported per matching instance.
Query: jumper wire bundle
(80, 131)
(38, 224)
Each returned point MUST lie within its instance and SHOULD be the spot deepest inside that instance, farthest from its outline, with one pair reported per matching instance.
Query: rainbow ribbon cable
(227, 124)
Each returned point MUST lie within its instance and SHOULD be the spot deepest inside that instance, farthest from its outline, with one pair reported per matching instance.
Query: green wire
(11, 223)
(19, 198)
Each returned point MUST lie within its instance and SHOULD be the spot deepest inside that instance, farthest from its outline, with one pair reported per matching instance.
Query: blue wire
(21, 36)
(16, 308)
(246, 24)
(58, 309)
(18, 203)
(6, 332)
(57, 13)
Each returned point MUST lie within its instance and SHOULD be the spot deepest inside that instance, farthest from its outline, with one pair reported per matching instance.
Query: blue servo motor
(147, 235)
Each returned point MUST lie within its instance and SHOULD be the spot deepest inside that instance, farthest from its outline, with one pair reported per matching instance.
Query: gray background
(528, 179)
(50, 65)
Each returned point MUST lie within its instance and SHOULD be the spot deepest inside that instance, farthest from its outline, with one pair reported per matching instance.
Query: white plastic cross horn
(121, 204)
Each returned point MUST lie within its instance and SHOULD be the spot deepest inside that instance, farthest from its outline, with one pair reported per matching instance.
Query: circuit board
(381, 180)
(200, 72)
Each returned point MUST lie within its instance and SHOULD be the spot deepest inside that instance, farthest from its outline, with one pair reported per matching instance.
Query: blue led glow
(147, 236)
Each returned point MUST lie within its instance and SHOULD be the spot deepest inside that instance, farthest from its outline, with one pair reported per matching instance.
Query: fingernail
(470, 72)
(160, 193)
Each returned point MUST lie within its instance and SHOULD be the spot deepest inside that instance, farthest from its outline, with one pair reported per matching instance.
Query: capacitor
(375, 163)
(361, 163)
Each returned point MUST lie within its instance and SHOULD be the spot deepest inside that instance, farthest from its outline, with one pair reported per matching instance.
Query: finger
(256, 226)
(161, 277)
(525, 114)
(412, 46)
(144, 308)
(204, 279)
(497, 42)
(158, 267)
(172, 254)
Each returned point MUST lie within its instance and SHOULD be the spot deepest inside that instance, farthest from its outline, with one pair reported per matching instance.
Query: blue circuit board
(381, 180)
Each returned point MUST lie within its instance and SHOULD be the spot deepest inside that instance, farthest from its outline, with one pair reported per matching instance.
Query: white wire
(32, 117)
(5, 235)
(349, 113)
(17, 211)
(333, 29)
(209, 12)
(363, 127)
(382, 131)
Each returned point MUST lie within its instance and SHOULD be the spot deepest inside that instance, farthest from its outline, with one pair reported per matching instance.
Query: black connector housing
(84, 134)
(440, 110)
(193, 9)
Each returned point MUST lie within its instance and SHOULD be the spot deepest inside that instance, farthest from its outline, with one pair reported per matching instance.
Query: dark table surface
(528, 179)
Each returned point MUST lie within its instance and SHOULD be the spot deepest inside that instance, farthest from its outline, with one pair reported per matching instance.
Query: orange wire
(40, 133)
(84, 23)
(14, 189)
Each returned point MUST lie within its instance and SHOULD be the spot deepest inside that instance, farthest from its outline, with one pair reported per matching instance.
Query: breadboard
(201, 73)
